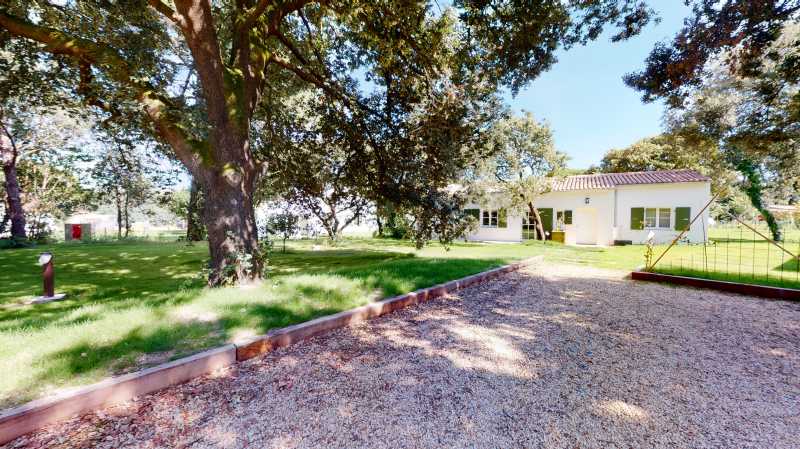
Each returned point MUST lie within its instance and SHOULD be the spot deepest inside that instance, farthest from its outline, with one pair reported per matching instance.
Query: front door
(585, 222)
(77, 232)
(529, 223)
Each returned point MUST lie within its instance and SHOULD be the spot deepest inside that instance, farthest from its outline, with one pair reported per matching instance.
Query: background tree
(284, 224)
(731, 77)
(119, 181)
(187, 204)
(45, 141)
(23, 75)
(195, 229)
(521, 167)
(141, 52)
(126, 171)
(50, 191)
(671, 152)
(390, 222)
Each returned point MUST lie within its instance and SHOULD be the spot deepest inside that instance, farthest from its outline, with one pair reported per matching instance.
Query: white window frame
(668, 217)
(493, 216)
(657, 218)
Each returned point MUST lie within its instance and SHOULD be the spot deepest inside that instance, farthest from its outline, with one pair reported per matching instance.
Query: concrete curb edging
(33, 415)
(764, 291)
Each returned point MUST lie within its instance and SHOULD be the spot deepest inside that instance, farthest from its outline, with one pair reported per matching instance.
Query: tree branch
(197, 24)
(292, 48)
(320, 83)
(283, 9)
(310, 40)
(88, 52)
(165, 10)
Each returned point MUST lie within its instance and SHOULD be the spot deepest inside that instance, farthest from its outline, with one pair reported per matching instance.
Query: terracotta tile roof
(602, 181)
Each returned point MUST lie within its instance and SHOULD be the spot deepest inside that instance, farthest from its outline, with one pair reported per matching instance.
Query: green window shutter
(502, 219)
(682, 218)
(637, 218)
(473, 213)
(547, 218)
(567, 217)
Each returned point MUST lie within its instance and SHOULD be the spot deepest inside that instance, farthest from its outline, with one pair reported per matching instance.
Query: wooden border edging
(763, 291)
(33, 415)
(286, 336)
(20, 420)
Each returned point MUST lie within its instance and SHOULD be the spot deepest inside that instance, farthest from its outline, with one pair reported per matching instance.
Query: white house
(608, 208)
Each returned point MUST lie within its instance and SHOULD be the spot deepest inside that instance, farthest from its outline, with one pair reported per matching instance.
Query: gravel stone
(551, 356)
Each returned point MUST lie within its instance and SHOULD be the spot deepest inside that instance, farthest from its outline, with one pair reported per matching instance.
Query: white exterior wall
(688, 194)
(511, 233)
(607, 214)
(598, 210)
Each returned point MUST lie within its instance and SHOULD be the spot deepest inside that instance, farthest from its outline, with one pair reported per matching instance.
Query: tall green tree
(670, 151)
(28, 81)
(242, 57)
(125, 169)
(523, 164)
(731, 76)
(45, 164)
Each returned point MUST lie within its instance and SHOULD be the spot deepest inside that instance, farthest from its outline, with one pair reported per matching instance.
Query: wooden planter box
(558, 236)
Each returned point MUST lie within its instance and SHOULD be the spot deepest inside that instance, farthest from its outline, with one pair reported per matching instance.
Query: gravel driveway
(556, 356)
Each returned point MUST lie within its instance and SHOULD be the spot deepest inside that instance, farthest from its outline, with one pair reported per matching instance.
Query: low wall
(763, 291)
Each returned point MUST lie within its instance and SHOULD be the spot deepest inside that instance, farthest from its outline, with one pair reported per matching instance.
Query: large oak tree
(238, 58)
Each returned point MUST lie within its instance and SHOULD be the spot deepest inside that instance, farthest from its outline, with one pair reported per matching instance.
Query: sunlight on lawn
(132, 305)
(135, 305)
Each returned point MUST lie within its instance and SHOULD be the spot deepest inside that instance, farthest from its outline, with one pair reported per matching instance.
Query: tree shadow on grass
(89, 361)
(792, 266)
(311, 298)
(92, 280)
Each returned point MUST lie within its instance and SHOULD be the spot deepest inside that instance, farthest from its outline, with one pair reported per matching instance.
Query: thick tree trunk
(194, 224)
(16, 213)
(231, 225)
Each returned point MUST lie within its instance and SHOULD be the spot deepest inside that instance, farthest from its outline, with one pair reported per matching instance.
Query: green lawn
(137, 304)
(737, 254)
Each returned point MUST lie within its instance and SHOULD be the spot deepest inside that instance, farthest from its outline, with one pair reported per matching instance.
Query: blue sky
(583, 98)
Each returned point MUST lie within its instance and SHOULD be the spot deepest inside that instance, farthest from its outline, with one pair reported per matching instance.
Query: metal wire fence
(738, 251)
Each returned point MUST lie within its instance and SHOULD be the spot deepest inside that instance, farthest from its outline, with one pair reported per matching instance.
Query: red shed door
(76, 232)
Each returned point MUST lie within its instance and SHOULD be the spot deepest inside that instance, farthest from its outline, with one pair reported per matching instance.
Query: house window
(489, 219)
(650, 217)
(493, 218)
(663, 218)
(473, 213)
(563, 218)
(657, 217)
